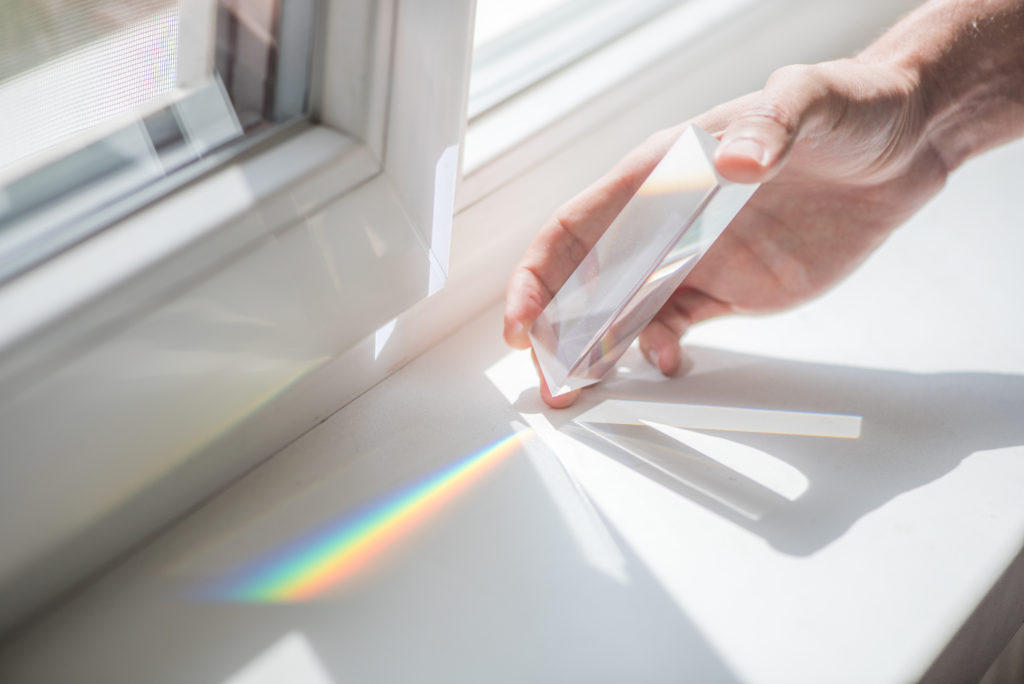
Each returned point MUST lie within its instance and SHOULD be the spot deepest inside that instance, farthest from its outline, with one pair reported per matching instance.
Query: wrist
(964, 60)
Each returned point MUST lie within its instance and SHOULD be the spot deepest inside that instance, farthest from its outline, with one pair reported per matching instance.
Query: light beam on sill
(680, 423)
(381, 337)
(749, 502)
(585, 525)
(756, 465)
(290, 659)
(446, 172)
(308, 568)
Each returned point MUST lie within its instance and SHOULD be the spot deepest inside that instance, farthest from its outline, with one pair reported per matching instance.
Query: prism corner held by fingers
(636, 265)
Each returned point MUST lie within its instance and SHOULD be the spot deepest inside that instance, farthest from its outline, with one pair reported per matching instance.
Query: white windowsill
(570, 559)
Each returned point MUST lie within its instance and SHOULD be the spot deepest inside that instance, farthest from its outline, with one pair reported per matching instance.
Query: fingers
(570, 233)
(575, 227)
(659, 342)
(562, 400)
(525, 298)
(757, 142)
(573, 230)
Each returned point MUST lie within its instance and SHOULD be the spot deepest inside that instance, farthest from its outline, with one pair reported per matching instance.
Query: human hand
(842, 152)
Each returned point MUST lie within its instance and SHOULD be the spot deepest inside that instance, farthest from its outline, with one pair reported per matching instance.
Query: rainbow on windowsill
(312, 566)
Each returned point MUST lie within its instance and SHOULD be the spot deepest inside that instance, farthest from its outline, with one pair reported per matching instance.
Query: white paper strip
(697, 417)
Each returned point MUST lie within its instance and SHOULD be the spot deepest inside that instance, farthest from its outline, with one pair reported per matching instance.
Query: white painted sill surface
(567, 559)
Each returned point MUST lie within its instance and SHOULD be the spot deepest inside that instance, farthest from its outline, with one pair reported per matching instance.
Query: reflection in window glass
(516, 44)
(101, 99)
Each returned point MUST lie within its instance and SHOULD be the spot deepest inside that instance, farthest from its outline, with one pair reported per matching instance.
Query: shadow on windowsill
(914, 429)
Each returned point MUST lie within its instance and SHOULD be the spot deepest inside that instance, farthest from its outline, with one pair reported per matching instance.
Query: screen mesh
(67, 66)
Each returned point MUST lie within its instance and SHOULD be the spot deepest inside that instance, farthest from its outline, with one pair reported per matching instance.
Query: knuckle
(624, 186)
(791, 92)
(772, 113)
(794, 74)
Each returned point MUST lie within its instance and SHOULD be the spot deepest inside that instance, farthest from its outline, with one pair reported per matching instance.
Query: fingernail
(652, 356)
(515, 330)
(746, 147)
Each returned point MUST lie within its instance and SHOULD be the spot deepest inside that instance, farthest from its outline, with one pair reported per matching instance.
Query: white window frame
(202, 334)
(92, 459)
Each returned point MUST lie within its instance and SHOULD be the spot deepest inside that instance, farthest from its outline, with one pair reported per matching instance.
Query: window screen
(106, 104)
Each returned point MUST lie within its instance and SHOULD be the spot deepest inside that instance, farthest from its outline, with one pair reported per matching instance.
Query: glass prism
(636, 265)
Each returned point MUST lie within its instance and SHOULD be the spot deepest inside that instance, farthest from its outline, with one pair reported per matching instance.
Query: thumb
(757, 142)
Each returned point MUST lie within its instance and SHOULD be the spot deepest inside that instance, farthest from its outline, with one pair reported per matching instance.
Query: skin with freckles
(846, 151)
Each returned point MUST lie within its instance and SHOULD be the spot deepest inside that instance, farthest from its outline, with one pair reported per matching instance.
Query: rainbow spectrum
(308, 568)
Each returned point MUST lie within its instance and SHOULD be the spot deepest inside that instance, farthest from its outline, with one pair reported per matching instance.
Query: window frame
(315, 163)
(386, 103)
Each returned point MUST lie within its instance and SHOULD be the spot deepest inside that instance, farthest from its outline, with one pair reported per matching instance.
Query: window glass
(107, 103)
(516, 44)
